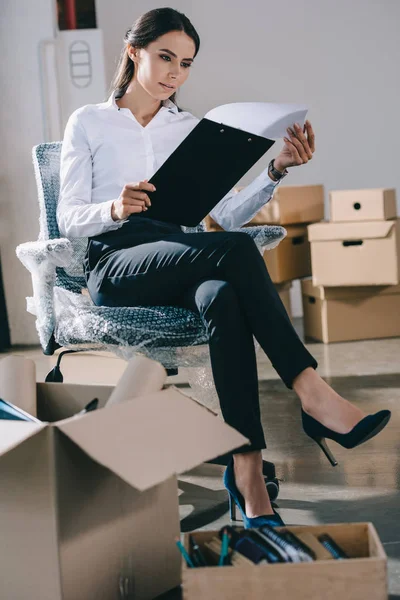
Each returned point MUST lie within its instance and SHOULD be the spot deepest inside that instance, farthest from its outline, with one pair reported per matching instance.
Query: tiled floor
(364, 487)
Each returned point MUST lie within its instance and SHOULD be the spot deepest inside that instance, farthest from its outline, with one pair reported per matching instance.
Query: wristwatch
(277, 174)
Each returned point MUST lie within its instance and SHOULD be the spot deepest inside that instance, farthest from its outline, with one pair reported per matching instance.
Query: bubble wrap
(41, 259)
(173, 336)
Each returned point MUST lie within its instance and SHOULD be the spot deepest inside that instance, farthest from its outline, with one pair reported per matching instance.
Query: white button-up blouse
(105, 147)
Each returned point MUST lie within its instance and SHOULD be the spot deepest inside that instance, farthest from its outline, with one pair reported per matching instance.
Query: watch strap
(277, 174)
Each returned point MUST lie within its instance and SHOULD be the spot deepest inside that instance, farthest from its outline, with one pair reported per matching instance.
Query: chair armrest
(41, 259)
(266, 237)
(57, 252)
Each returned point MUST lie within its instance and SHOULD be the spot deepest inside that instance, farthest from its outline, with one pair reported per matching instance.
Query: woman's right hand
(132, 200)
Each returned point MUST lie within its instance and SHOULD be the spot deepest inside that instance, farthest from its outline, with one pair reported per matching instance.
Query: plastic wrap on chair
(265, 237)
(157, 332)
(202, 387)
(41, 259)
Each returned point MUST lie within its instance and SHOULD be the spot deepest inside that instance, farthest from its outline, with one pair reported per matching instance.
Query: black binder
(202, 169)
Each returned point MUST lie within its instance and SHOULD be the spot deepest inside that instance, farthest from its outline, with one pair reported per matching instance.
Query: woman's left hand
(298, 150)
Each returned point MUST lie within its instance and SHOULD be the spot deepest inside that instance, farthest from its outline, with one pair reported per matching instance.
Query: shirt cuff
(271, 181)
(106, 217)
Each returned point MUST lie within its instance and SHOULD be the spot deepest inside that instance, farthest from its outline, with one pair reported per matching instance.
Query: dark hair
(145, 30)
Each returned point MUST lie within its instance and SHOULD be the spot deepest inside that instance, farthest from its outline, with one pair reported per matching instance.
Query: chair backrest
(46, 162)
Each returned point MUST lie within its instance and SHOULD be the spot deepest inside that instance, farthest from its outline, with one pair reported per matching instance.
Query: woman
(132, 260)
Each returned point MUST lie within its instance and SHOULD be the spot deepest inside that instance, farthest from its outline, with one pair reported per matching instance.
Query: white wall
(340, 58)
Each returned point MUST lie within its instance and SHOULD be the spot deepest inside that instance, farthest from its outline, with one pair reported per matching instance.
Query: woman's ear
(134, 53)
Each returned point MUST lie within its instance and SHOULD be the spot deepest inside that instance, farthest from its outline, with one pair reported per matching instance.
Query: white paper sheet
(267, 119)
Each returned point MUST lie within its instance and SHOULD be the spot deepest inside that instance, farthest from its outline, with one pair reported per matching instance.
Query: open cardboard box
(361, 577)
(89, 503)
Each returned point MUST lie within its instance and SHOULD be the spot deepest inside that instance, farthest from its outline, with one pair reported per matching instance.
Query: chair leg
(171, 372)
(55, 375)
(51, 347)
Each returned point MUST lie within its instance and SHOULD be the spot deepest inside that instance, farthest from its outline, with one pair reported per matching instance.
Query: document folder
(204, 167)
(214, 157)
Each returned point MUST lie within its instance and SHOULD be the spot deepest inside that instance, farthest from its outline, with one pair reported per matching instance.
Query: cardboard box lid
(147, 439)
(346, 292)
(361, 230)
(14, 433)
(357, 192)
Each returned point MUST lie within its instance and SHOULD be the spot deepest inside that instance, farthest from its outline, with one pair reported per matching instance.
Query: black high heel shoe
(366, 429)
(236, 500)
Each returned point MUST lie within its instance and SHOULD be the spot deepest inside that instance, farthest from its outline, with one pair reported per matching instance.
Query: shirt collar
(113, 105)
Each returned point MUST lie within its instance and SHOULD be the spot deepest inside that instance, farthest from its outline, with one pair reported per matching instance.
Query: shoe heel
(232, 508)
(325, 449)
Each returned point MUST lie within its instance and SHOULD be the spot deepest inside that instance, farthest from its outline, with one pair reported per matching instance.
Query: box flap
(318, 232)
(13, 433)
(147, 439)
(346, 292)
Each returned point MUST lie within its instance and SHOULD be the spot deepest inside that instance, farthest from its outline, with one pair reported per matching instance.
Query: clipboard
(202, 169)
(215, 155)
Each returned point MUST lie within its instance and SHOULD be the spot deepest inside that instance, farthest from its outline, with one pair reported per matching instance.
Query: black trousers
(221, 276)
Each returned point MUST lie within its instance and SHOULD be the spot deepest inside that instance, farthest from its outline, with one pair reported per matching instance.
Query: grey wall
(340, 58)
(22, 24)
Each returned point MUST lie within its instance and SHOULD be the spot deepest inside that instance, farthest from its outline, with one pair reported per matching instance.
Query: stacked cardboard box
(292, 207)
(354, 292)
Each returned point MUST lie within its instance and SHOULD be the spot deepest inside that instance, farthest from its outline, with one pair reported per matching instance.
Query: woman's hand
(298, 150)
(132, 200)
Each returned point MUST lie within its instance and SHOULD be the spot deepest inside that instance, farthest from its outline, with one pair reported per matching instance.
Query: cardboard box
(350, 313)
(347, 254)
(89, 504)
(292, 204)
(284, 293)
(289, 205)
(363, 205)
(292, 258)
(360, 577)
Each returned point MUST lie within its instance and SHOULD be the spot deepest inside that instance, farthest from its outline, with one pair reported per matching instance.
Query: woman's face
(166, 61)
